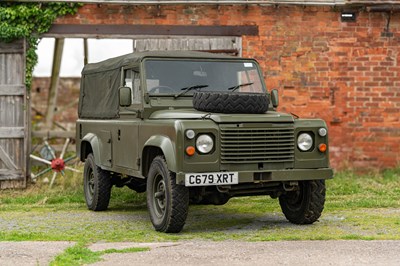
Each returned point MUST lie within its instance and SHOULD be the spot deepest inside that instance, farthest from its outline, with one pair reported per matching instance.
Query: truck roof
(123, 60)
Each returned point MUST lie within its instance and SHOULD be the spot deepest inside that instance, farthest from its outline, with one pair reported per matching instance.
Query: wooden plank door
(14, 112)
(224, 45)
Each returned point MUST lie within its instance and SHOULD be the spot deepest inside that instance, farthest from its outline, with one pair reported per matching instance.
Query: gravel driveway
(201, 252)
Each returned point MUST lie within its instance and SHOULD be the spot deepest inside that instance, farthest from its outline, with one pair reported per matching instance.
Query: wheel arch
(155, 146)
(90, 144)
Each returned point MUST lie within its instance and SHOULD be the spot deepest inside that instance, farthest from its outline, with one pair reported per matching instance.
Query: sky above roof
(72, 58)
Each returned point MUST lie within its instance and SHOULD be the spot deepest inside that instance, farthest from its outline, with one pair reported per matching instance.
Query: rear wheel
(168, 203)
(304, 205)
(96, 185)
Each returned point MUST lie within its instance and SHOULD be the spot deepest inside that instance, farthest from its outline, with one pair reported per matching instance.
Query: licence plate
(210, 179)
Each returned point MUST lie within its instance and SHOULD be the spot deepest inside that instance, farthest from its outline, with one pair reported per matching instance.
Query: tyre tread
(101, 199)
(313, 205)
(179, 202)
(231, 102)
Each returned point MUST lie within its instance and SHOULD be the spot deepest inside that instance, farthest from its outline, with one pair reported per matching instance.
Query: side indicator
(190, 150)
(322, 147)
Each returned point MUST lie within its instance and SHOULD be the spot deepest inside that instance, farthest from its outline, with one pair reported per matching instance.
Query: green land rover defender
(192, 127)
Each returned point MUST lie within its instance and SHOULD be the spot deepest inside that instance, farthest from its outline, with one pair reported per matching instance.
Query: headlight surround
(204, 143)
(304, 141)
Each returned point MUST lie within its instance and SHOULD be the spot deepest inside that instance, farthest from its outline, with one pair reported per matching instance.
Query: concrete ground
(30, 252)
(199, 252)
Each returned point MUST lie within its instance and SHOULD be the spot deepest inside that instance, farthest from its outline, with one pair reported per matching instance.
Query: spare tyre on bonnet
(231, 102)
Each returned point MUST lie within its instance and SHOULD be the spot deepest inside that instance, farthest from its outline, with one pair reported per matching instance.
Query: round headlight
(304, 142)
(204, 143)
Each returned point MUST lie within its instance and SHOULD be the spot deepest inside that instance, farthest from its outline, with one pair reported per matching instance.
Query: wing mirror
(275, 98)
(125, 98)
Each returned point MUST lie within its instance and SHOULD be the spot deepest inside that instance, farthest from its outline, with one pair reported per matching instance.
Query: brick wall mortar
(345, 73)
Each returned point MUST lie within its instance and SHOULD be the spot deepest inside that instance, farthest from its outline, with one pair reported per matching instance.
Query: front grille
(257, 145)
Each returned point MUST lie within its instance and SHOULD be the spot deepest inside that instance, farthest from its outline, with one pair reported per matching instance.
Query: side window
(136, 87)
(132, 80)
(128, 78)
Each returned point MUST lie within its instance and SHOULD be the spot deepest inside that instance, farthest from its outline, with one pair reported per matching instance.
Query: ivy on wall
(29, 20)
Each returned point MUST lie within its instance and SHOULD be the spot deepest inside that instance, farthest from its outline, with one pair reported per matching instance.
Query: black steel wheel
(168, 203)
(304, 205)
(96, 185)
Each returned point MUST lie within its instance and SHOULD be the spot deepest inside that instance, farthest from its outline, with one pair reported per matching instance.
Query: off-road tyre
(231, 102)
(96, 185)
(305, 205)
(167, 202)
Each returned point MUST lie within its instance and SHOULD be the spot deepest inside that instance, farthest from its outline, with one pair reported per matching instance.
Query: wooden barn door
(14, 129)
(223, 45)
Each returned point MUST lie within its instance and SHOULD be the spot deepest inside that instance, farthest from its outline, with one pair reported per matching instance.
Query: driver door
(125, 150)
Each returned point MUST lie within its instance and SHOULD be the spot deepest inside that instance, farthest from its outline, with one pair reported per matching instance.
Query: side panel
(113, 143)
(125, 143)
(105, 145)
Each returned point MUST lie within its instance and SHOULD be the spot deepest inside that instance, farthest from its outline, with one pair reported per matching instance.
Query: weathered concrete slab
(30, 252)
(100, 246)
(261, 253)
(199, 252)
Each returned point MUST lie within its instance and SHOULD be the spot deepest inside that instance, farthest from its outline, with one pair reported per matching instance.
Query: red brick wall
(345, 73)
(67, 105)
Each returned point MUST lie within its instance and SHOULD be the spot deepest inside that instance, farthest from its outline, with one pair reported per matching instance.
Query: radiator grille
(257, 145)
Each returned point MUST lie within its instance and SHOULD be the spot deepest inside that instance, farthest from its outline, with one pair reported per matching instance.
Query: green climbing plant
(29, 20)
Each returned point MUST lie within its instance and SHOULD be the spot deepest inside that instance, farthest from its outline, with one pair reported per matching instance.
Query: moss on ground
(357, 207)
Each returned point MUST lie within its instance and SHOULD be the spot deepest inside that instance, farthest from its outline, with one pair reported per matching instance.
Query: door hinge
(138, 162)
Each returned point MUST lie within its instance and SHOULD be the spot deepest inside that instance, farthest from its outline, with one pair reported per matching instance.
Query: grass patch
(375, 190)
(76, 255)
(357, 207)
(80, 254)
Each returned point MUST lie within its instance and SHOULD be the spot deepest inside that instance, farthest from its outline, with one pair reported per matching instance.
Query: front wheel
(168, 203)
(304, 205)
(96, 185)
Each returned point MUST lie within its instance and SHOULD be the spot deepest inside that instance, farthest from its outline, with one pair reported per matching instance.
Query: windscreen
(165, 77)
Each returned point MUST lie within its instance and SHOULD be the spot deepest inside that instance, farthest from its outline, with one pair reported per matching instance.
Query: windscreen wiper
(240, 85)
(186, 89)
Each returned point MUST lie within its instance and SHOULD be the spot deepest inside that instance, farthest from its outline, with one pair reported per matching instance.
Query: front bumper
(275, 175)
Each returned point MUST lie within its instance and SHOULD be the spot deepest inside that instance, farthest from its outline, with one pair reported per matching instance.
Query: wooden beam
(12, 47)
(383, 8)
(11, 132)
(55, 78)
(54, 122)
(6, 174)
(67, 106)
(53, 134)
(135, 30)
(85, 51)
(7, 160)
(12, 90)
(222, 2)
